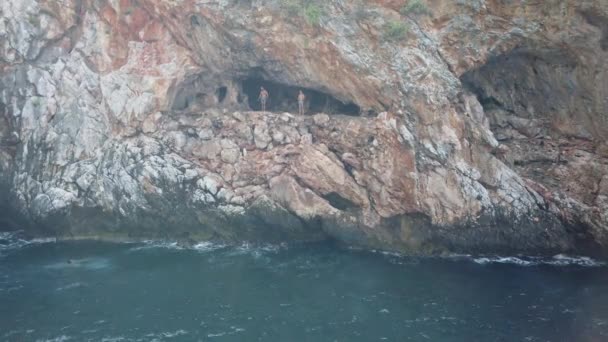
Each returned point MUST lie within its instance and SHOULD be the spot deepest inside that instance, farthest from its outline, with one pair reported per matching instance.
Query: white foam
(113, 339)
(557, 260)
(70, 286)
(502, 260)
(216, 335)
(174, 333)
(61, 338)
(164, 335)
(258, 250)
(526, 261)
(14, 240)
(564, 260)
(233, 330)
(42, 240)
(149, 244)
(207, 246)
(204, 246)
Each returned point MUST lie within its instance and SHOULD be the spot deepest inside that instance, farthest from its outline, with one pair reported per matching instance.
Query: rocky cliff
(431, 126)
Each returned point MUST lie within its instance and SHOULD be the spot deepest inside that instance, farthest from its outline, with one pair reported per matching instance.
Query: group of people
(263, 98)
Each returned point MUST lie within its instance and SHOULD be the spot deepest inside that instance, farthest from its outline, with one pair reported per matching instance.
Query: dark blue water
(126, 292)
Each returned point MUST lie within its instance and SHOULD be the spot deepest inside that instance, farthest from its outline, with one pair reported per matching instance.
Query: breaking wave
(526, 261)
(207, 246)
(557, 260)
(15, 240)
(149, 244)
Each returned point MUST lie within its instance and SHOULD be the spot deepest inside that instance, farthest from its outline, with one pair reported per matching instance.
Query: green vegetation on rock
(415, 7)
(313, 14)
(311, 11)
(395, 30)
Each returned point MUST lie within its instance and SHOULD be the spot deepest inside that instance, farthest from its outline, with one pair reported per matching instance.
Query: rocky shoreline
(480, 131)
(190, 179)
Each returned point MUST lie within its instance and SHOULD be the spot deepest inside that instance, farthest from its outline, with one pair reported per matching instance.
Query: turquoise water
(148, 292)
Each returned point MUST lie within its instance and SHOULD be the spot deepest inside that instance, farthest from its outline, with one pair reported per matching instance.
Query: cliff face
(475, 126)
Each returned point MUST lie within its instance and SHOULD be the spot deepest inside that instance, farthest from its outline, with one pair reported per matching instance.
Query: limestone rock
(321, 120)
(325, 176)
(230, 151)
(303, 202)
(141, 126)
(209, 184)
(261, 136)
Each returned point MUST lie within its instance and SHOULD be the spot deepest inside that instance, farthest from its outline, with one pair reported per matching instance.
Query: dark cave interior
(283, 98)
(199, 92)
(521, 82)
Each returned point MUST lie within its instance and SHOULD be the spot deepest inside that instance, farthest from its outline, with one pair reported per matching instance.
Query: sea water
(91, 291)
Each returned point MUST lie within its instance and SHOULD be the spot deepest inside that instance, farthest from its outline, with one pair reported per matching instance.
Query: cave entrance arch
(546, 84)
(283, 98)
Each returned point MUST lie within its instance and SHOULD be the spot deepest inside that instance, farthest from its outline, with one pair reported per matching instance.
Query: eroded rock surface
(483, 129)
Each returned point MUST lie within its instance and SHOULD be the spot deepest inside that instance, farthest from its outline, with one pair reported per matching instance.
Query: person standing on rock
(263, 98)
(301, 99)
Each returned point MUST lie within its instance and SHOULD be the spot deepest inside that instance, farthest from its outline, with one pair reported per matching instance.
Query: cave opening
(601, 23)
(538, 89)
(528, 83)
(284, 98)
(339, 202)
(221, 93)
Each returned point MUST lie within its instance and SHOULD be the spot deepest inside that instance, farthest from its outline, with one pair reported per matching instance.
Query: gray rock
(278, 137)
(209, 184)
(205, 134)
(190, 175)
(321, 120)
(261, 136)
